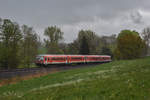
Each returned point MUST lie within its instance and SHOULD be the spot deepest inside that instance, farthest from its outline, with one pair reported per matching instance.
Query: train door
(49, 60)
(68, 59)
(85, 59)
(45, 60)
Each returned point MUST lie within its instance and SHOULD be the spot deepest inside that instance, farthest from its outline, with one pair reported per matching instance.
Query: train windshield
(39, 58)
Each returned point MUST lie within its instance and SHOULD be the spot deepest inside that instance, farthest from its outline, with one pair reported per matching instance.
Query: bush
(129, 45)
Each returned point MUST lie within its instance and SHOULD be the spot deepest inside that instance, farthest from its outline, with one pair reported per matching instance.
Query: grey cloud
(136, 17)
(76, 14)
(65, 11)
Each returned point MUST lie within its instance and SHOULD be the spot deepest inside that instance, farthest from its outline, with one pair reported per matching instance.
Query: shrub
(129, 45)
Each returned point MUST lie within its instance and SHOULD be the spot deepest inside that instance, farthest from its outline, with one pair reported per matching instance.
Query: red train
(69, 59)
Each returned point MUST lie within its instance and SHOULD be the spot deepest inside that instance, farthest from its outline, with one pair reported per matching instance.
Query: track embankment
(22, 72)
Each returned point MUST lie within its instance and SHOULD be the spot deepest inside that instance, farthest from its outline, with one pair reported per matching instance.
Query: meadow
(117, 80)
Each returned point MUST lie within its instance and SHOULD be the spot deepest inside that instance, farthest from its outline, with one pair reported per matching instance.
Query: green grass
(118, 80)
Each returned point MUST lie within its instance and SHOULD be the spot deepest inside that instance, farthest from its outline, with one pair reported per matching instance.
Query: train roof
(71, 55)
(57, 55)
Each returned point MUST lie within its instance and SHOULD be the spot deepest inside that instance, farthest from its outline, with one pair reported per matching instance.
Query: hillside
(118, 80)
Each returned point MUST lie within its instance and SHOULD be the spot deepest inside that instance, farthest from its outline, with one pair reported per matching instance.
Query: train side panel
(76, 59)
(57, 59)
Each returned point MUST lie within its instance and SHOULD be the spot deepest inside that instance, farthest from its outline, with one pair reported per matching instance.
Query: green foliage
(42, 50)
(129, 45)
(118, 80)
(95, 43)
(54, 36)
(106, 51)
(10, 36)
(127, 32)
(84, 47)
(73, 48)
(109, 42)
(93, 40)
(30, 44)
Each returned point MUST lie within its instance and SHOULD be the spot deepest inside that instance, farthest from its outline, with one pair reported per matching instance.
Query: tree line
(19, 45)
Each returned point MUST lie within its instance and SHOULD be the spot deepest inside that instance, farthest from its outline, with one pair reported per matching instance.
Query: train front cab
(39, 61)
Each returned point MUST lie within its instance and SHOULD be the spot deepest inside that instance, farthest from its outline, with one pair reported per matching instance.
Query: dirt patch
(14, 80)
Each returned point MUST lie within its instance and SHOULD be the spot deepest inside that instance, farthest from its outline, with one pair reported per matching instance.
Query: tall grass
(118, 80)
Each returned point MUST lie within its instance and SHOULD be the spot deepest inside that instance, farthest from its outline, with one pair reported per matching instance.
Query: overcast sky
(104, 17)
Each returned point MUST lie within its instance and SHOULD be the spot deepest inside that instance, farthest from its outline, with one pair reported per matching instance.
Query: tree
(129, 45)
(108, 44)
(1, 51)
(93, 40)
(73, 48)
(29, 45)
(106, 51)
(63, 47)
(146, 36)
(84, 48)
(10, 37)
(54, 35)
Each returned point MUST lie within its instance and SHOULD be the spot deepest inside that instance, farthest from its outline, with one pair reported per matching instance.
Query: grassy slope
(119, 80)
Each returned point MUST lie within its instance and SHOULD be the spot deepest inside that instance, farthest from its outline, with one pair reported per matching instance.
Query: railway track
(6, 74)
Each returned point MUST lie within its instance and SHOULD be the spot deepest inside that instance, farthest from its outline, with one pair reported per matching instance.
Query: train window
(39, 58)
(45, 59)
(76, 58)
(58, 58)
(42, 58)
(48, 59)
(53, 58)
(94, 58)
